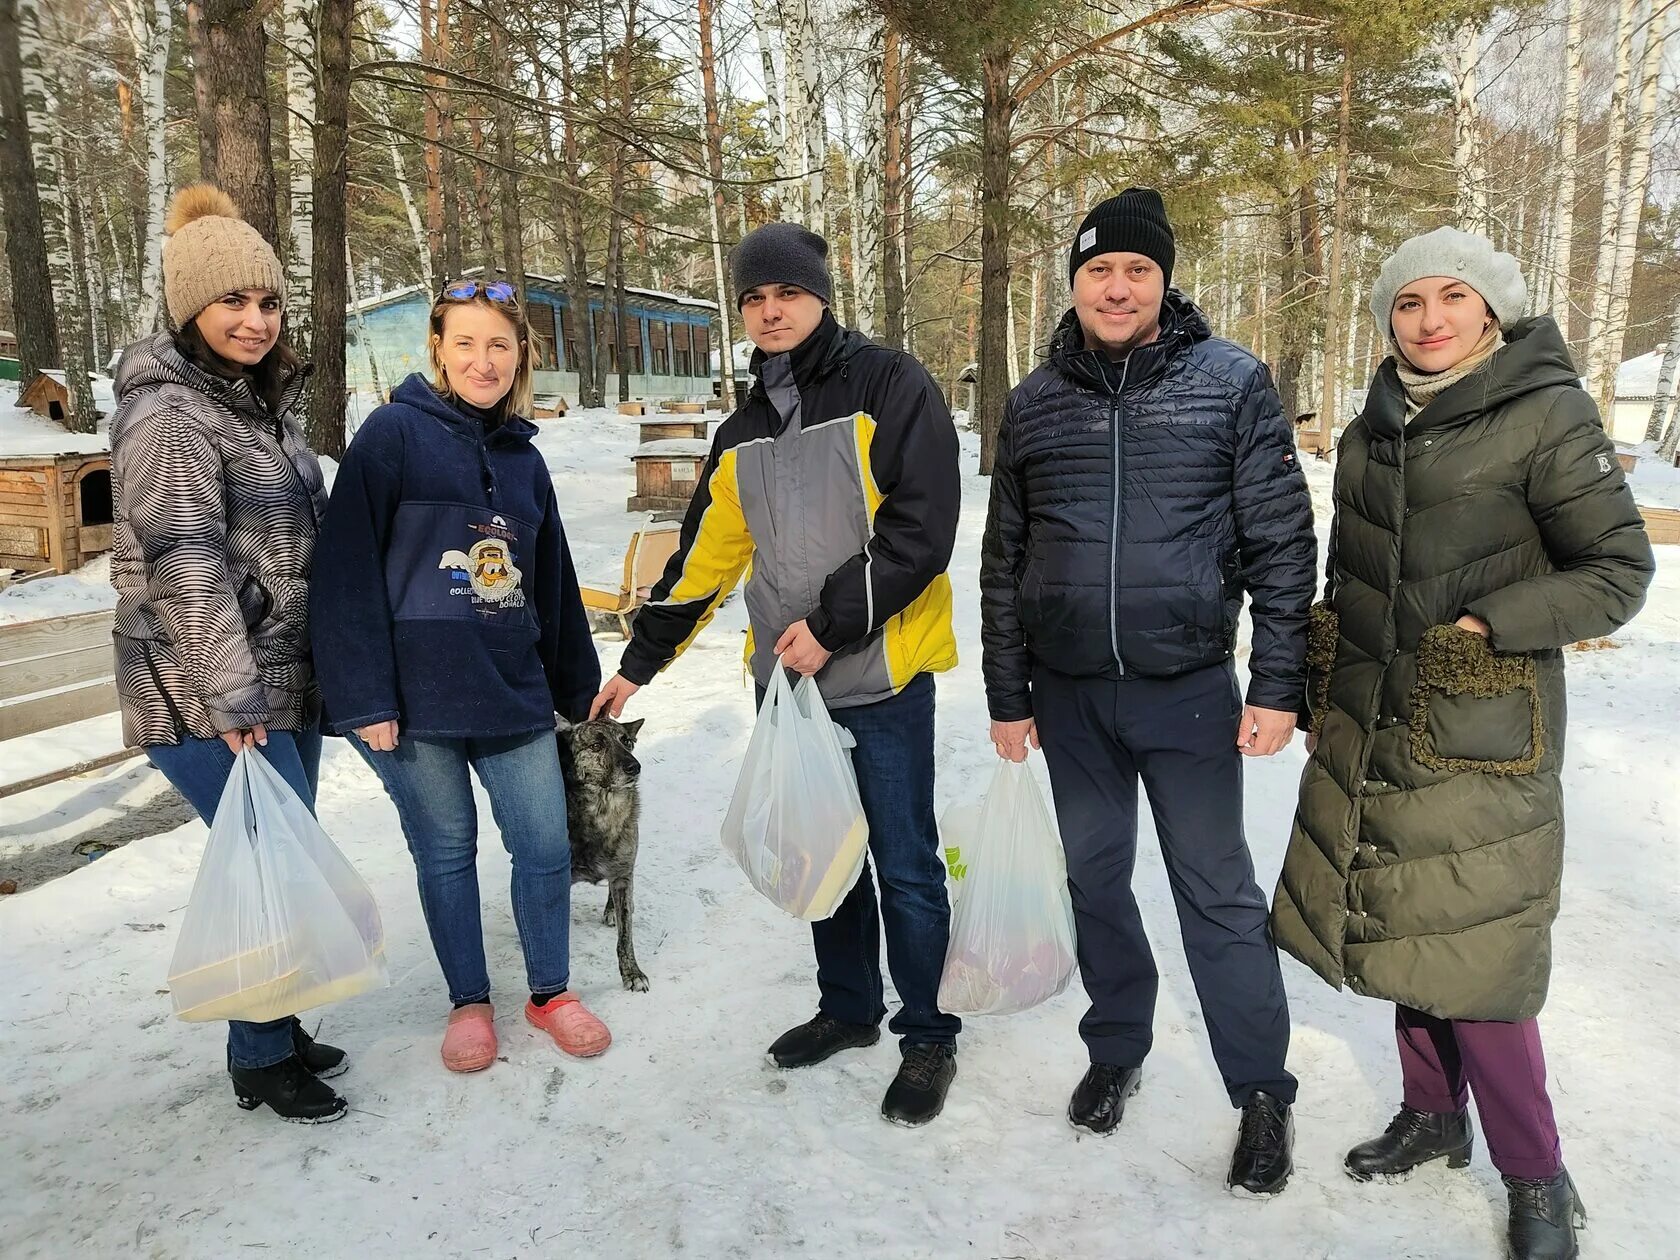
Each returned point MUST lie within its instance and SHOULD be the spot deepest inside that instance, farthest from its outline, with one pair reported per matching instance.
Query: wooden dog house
(55, 510)
(48, 396)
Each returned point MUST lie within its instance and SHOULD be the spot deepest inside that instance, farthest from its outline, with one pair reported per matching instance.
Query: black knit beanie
(780, 253)
(1133, 222)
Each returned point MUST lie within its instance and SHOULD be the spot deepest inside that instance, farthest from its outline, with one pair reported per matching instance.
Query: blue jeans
(427, 781)
(894, 764)
(199, 769)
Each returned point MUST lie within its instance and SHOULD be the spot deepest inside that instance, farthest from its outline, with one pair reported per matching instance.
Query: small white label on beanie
(1087, 238)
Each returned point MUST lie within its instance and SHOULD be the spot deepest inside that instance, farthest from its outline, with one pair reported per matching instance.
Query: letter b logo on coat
(1603, 463)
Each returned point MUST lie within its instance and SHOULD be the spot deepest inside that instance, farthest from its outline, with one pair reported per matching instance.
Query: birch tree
(1634, 190)
(765, 23)
(871, 166)
(26, 247)
(1604, 275)
(150, 26)
(1664, 398)
(1563, 212)
(380, 104)
(1467, 148)
(299, 29)
(714, 167)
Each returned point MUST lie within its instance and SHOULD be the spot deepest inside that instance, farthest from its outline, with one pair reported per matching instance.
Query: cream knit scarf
(1423, 387)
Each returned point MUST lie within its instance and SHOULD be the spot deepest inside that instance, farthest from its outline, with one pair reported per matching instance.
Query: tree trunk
(416, 226)
(204, 96)
(26, 248)
(1634, 191)
(437, 264)
(1560, 276)
(239, 93)
(907, 205)
(620, 178)
(300, 160)
(1467, 149)
(1331, 393)
(867, 226)
(892, 192)
(796, 199)
(484, 202)
(1604, 275)
(150, 25)
(714, 167)
(330, 239)
(507, 156)
(1665, 380)
(69, 117)
(765, 19)
(590, 390)
(812, 115)
(454, 255)
(997, 115)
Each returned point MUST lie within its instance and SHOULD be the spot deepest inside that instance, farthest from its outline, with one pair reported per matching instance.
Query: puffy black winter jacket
(1134, 502)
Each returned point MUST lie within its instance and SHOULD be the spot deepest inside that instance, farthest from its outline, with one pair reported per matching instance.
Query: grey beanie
(780, 253)
(1463, 256)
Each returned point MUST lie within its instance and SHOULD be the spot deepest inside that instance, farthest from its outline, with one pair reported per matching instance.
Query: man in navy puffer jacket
(1145, 480)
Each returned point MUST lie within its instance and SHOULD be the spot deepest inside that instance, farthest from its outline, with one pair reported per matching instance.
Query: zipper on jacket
(1114, 425)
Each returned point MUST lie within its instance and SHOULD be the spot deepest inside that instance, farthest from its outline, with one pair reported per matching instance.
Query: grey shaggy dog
(603, 810)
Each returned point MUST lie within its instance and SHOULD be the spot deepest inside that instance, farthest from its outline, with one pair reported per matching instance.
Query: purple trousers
(1444, 1061)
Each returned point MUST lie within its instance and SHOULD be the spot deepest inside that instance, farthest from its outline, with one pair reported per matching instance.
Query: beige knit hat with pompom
(210, 250)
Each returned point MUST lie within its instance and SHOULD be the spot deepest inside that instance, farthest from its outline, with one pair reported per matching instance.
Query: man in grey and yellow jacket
(835, 483)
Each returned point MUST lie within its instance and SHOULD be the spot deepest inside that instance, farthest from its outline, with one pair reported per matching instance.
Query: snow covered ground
(121, 1136)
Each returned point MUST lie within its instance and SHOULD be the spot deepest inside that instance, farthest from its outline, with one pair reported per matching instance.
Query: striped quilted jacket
(218, 501)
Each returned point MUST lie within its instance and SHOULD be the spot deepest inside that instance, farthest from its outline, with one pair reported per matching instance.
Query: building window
(680, 346)
(541, 317)
(659, 347)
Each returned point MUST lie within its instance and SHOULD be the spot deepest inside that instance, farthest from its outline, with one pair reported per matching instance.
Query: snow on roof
(1637, 378)
(409, 290)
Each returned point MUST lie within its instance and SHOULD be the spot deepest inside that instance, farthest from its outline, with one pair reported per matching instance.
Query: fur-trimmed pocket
(1474, 709)
(1323, 631)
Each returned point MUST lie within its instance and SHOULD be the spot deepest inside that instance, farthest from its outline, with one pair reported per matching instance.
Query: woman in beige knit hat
(218, 504)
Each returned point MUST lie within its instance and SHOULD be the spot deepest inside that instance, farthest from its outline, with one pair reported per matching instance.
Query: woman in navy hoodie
(448, 632)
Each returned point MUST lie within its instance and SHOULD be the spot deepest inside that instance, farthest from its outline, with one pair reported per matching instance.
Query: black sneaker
(1413, 1137)
(1099, 1100)
(1263, 1159)
(290, 1090)
(324, 1061)
(917, 1093)
(818, 1038)
(1544, 1217)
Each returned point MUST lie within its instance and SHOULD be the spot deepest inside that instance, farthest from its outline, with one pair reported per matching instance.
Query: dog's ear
(563, 728)
(630, 729)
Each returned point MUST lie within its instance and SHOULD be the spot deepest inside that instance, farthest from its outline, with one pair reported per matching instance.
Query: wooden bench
(52, 673)
(650, 549)
(1662, 524)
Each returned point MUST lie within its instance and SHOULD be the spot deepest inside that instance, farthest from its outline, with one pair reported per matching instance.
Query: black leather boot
(290, 1090)
(818, 1038)
(1099, 1100)
(1265, 1153)
(323, 1060)
(1544, 1217)
(917, 1093)
(1413, 1137)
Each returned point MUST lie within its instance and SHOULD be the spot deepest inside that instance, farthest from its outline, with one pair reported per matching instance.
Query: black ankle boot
(1265, 1152)
(917, 1093)
(818, 1038)
(289, 1089)
(1413, 1137)
(1544, 1217)
(322, 1060)
(1099, 1100)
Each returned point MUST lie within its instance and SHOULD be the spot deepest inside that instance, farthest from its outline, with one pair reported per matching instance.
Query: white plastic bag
(795, 824)
(1012, 943)
(278, 920)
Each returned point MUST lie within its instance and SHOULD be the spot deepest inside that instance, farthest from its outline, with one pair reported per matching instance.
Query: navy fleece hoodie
(443, 593)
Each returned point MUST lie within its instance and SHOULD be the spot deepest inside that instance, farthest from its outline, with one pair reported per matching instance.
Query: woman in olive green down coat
(1482, 522)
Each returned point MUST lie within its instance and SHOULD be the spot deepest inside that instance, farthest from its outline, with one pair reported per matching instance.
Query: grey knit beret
(1460, 255)
(780, 253)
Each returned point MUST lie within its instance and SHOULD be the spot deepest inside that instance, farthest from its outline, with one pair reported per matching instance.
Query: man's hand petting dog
(611, 701)
(800, 651)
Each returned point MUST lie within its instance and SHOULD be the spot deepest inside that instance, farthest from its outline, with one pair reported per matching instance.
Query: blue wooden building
(668, 342)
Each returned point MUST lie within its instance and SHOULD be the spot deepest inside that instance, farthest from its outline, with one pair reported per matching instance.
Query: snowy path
(121, 1137)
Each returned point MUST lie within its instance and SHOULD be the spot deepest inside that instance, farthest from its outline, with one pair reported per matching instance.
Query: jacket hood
(1182, 326)
(416, 391)
(1534, 357)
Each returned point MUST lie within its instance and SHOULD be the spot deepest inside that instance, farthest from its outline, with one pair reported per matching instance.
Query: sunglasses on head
(467, 290)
